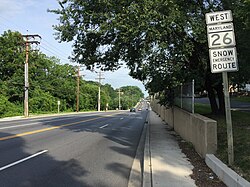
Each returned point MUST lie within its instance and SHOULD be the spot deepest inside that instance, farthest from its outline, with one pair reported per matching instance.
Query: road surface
(87, 149)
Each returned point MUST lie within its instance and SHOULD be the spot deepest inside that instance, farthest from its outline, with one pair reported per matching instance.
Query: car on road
(132, 110)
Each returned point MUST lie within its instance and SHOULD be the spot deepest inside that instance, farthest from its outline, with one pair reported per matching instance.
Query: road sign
(221, 39)
(223, 60)
(220, 28)
(219, 17)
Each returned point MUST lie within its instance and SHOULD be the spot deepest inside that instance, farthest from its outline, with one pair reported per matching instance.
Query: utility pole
(99, 90)
(78, 89)
(26, 69)
(119, 94)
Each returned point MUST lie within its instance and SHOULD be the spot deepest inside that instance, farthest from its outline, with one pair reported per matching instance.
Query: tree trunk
(211, 95)
(213, 103)
(220, 93)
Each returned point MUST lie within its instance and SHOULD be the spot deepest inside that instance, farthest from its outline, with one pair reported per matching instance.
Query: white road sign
(223, 60)
(220, 28)
(219, 17)
(221, 39)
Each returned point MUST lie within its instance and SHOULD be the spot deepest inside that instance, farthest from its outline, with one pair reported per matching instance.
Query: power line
(57, 50)
(52, 49)
(56, 55)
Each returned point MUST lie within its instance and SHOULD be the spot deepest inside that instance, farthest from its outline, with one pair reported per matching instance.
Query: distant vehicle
(132, 110)
(139, 109)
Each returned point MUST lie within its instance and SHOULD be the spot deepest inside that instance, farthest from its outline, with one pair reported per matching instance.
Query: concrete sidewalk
(164, 163)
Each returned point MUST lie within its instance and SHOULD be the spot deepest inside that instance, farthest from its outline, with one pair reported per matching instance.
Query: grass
(241, 134)
(242, 98)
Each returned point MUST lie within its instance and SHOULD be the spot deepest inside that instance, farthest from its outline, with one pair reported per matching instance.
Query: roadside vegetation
(241, 131)
(163, 43)
(50, 82)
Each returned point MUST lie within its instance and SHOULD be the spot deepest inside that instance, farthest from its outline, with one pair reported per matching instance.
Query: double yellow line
(50, 128)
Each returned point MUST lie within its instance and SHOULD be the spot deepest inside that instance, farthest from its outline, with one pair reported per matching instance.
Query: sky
(31, 17)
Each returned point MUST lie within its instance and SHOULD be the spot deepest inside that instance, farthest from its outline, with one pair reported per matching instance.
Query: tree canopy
(49, 82)
(163, 42)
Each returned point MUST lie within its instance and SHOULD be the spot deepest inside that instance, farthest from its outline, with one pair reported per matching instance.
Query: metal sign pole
(228, 120)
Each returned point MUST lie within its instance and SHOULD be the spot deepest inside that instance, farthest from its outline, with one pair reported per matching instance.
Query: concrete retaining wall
(197, 129)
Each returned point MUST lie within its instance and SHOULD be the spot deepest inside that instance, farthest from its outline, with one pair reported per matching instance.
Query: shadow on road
(29, 172)
(70, 172)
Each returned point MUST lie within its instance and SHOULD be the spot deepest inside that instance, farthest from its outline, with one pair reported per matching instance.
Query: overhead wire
(64, 60)
(57, 50)
(51, 49)
(45, 45)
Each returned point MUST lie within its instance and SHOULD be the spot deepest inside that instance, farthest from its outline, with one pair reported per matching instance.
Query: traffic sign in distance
(219, 17)
(221, 39)
(223, 60)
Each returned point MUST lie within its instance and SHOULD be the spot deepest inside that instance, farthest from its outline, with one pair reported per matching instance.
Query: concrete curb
(227, 175)
(147, 170)
(136, 173)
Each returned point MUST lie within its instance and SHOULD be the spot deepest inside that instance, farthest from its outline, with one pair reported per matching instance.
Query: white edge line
(104, 126)
(11, 127)
(37, 123)
(22, 160)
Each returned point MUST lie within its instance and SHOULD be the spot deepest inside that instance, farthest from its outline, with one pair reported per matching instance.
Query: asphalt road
(93, 149)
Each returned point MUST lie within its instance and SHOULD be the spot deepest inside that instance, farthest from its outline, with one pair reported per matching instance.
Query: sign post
(228, 120)
(223, 58)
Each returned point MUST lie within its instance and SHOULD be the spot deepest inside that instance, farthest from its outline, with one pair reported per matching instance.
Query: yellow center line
(50, 128)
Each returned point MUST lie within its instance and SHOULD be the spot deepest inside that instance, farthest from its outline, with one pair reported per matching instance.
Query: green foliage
(163, 42)
(49, 82)
(130, 95)
(9, 109)
(42, 101)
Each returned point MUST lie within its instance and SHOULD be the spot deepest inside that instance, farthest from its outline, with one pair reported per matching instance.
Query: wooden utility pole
(99, 90)
(228, 120)
(26, 69)
(78, 88)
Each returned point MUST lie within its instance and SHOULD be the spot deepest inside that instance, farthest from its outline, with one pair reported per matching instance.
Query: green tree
(7, 108)
(49, 82)
(12, 65)
(90, 92)
(162, 42)
(42, 101)
(130, 96)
